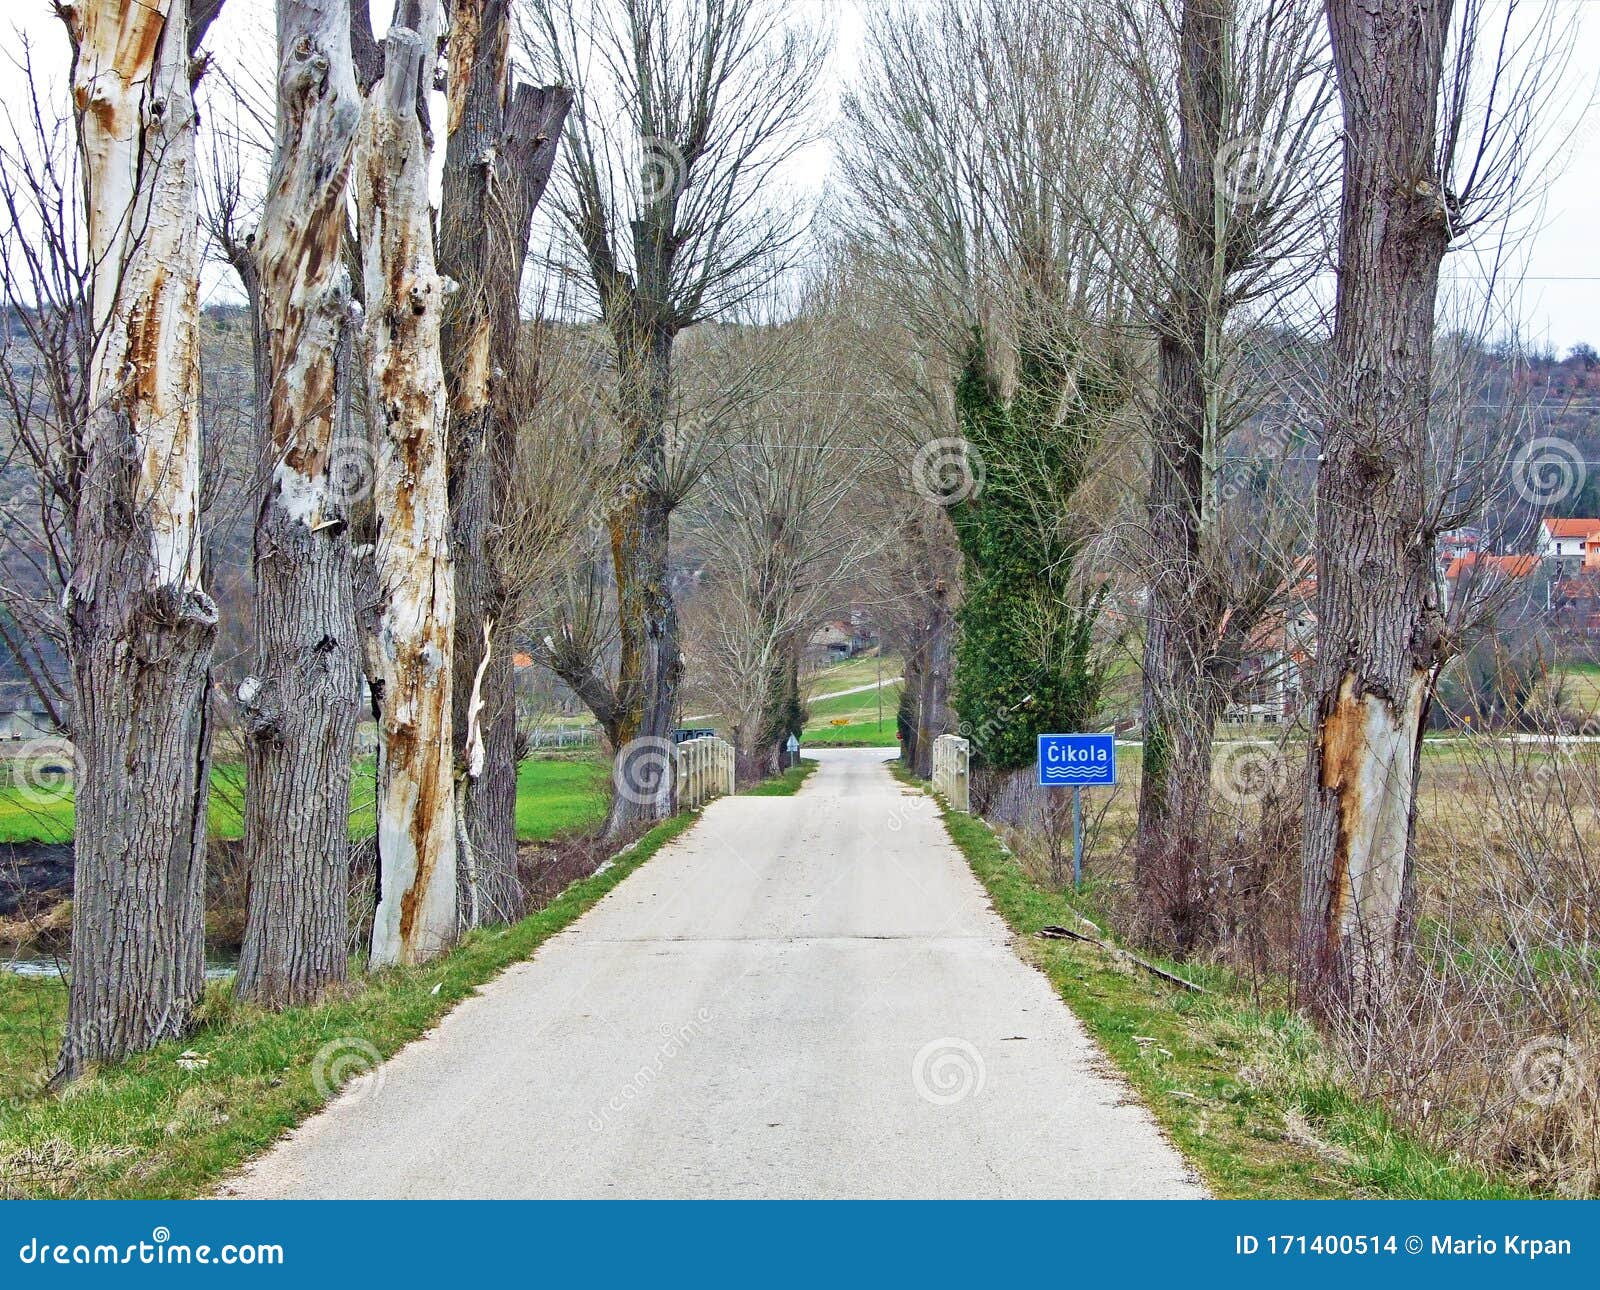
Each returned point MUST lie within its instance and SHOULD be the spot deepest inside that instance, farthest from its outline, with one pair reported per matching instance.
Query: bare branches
(686, 113)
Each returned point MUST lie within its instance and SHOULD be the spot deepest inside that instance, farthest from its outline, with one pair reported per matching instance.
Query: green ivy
(1025, 662)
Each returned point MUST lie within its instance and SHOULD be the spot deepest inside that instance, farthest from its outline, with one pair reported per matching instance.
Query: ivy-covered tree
(1026, 662)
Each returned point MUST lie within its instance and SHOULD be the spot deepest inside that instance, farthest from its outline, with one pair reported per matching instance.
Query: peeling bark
(300, 709)
(140, 626)
(501, 145)
(405, 295)
(1380, 630)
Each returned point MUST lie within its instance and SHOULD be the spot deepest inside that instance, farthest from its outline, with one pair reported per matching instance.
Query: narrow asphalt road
(804, 996)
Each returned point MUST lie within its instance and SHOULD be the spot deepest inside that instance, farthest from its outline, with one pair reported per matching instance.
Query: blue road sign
(1077, 761)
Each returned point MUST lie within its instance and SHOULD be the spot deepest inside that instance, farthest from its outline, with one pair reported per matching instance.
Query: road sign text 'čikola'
(1076, 761)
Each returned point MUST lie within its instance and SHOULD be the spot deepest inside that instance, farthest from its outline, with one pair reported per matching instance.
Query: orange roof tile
(1571, 528)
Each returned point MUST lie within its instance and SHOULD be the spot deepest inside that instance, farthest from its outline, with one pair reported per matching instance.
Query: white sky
(1556, 302)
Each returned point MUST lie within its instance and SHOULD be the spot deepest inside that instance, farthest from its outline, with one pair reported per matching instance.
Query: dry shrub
(1487, 1042)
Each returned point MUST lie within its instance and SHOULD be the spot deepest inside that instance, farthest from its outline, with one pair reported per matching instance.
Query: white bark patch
(475, 749)
(1374, 771)
(416, 917)
(131, 85)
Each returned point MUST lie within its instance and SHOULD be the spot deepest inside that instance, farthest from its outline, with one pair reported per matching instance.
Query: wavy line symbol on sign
(1070, 773)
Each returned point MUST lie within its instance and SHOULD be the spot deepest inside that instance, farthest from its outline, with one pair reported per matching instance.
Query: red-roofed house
(1475, 570)
(1572, 543)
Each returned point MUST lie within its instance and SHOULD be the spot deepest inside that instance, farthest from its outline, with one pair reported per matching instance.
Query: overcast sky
(1555, 302)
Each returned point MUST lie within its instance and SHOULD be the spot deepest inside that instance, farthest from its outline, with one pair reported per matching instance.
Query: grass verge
(784, 785)
(173, 1121)
(1246, 1092)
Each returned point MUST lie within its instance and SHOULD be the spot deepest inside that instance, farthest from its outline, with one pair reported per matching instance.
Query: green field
(858, 734)
(554, 795)
(864, 669)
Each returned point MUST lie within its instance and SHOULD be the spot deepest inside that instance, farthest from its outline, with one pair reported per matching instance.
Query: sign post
(1077, 762)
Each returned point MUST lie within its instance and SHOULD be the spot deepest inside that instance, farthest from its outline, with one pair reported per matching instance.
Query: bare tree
(969, 116)
(45, 358)
(500, 146)
(299, 710)
(685, 112)
(405, 303)
(140, 626)
(1228, 99)
(1436, 140)
(781, 542)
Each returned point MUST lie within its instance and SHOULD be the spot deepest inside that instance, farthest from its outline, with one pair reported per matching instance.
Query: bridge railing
(952, 756)
(704, 769)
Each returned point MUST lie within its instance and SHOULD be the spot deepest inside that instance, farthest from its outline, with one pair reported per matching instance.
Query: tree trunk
(140, 627)
(300, 710)
(649, 663)
(416, 916)
(498, 155)
(1180, 697)
(1379, 629)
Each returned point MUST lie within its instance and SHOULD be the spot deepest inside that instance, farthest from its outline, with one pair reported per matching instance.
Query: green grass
(784, 785)
(555, 795)
(859, 734)
(1246, 1092)
(864, 669)
(149, 1127)
(863, 705)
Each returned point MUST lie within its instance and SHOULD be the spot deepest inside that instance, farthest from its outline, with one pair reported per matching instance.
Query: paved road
(803, 996)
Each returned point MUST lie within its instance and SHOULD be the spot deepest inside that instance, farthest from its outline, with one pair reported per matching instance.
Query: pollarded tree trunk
(649, 663)
(1380, 632)
(501, 144)
(300, 710)
(416, 916)
(1179, 697)
(140, 627)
